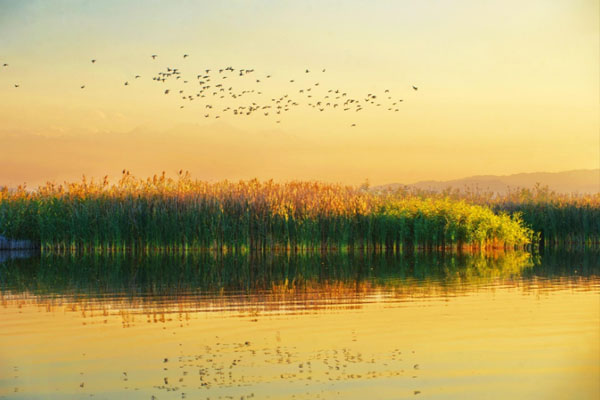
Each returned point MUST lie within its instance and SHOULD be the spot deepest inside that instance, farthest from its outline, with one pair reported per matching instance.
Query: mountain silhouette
(584, 181)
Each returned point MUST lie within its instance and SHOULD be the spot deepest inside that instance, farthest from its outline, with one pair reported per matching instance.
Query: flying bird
(319, 102)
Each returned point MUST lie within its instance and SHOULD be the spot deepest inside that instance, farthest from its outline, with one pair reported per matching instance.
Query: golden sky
(504, 87)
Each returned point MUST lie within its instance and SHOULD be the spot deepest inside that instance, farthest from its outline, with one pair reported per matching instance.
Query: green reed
(558, 219)
(182, 214)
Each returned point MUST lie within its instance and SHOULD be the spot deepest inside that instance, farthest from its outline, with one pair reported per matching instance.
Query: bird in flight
(311, 93)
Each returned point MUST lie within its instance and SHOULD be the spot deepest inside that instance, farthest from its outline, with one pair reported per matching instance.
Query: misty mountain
(576, 181)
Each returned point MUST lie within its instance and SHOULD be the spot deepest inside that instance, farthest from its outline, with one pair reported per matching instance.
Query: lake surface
(338, 326)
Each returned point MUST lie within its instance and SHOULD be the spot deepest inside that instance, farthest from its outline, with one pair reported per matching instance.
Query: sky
(503, 87)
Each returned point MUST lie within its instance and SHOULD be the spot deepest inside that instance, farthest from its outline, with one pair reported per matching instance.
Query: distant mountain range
(577, 181)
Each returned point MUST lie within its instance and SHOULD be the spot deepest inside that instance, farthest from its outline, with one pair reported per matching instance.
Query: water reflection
(207, 325)
(276, 282)
(164, 274)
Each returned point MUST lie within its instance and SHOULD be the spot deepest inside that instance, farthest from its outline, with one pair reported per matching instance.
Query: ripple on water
(461, 331)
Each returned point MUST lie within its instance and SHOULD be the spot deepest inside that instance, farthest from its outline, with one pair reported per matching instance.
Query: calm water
(303, 327)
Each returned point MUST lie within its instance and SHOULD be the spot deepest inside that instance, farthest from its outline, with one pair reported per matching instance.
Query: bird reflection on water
(215, 325)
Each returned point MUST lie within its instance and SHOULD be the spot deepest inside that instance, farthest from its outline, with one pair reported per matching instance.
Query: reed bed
(181, 213)
(558, 219)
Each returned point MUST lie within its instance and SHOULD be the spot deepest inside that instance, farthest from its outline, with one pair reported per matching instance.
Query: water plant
(181, 213)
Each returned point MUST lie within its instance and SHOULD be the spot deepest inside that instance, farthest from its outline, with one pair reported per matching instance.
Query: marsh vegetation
(162, 213)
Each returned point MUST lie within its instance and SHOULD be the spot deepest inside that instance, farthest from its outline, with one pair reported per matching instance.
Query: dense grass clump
(182, 214)
(557, 219)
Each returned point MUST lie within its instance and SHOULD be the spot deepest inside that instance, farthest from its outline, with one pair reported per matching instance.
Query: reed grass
(181, 213)
(558, 219)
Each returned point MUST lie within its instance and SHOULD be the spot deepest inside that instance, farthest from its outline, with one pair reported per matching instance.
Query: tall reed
(558, 219)
(164, 213)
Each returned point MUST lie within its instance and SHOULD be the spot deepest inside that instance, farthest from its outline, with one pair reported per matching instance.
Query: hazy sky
(504, 87)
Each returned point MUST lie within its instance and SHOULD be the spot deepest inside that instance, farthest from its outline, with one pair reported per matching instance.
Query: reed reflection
(210, 325)
(273, 283)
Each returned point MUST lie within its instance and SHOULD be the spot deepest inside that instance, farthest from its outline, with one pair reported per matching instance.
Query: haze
(504, 87)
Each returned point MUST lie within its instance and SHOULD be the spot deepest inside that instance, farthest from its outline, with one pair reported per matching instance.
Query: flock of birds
(213, 87)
